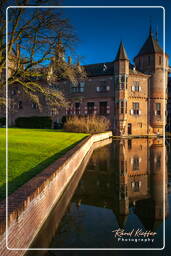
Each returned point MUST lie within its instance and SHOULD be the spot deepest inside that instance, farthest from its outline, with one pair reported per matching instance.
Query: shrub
(89, 124)
(2, 121)
(34, 122)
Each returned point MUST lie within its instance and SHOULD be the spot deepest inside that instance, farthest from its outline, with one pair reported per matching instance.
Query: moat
(125, 186)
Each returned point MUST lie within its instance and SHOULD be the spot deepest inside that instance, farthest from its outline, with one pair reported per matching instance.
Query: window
(136, 108)
(122, 107)
(34, 105)
(122, 78)
(135, 163)
(149, 60)
(20, 105)
(90, 108)
(77, 108)
(129, 144)
(79, 88)
(122, 86)
(160, 60)
(158, 161)
(13, 92)
(82, 84)
(103, 87)
(136, 86)
(53, 112)
(121, 81)
(136, 186)
(158, 109)
(126, 107)
(103, 108)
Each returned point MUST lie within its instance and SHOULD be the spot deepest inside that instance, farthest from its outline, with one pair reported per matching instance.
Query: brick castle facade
(132, 97)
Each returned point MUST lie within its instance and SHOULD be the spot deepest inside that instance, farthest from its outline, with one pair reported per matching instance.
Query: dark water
(120, 186)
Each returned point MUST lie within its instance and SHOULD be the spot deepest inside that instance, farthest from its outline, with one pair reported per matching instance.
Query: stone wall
(30, 205)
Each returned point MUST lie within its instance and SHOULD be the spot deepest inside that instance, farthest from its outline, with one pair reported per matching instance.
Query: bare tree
(36, 37)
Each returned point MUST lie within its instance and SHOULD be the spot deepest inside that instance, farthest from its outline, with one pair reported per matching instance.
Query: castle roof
(106, 68)
(121, 54)
(150, 46)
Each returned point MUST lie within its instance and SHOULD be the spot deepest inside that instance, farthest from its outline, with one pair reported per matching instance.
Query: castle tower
(121, 72)
(158, 174)
(151, 210)
(153, 61)
(120, 199)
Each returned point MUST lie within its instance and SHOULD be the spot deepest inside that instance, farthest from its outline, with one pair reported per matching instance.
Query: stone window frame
(136, 108)
(136, 163)
(136, 86)
(136, 185)
(79, 88)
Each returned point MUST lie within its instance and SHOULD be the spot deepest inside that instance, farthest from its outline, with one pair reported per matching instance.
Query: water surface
(119, 187)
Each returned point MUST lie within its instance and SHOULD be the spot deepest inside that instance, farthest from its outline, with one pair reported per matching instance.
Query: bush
(2, 121)
(44, 122)
(89, 124)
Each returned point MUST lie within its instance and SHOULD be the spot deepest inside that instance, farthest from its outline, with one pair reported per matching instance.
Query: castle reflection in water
(128, 174)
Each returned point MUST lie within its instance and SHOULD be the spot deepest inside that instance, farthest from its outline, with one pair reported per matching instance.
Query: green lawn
(30, 151)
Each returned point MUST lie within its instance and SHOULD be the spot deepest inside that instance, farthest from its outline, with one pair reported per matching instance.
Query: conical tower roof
(121, 54)
(150, 46)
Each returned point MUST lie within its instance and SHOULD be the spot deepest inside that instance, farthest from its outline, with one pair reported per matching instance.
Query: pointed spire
(150, 27)
(157, 34)
(151, 45)
(121, 54)
(150, 31)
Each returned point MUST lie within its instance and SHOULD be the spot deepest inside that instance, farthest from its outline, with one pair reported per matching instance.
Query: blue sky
(101, 30)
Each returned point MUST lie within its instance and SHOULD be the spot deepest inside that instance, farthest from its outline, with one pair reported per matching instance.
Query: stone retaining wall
(30, 205)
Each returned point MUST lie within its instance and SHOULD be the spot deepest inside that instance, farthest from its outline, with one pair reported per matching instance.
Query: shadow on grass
(26, 176)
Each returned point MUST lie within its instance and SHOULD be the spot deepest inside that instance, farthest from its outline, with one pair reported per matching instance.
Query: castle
(132, 97)
(133, 177)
